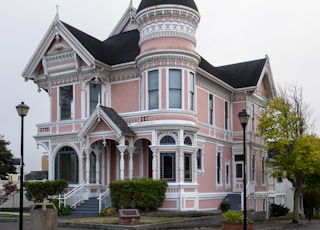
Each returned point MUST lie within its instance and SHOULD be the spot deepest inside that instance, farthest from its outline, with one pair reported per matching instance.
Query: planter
(235, 226)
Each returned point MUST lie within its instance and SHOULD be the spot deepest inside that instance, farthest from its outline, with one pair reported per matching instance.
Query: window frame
(191, 91)
(94, 100)
(66, 103)
(211, 109)
(162, 167)
(188, 159)
(153, 91)
(175, 99)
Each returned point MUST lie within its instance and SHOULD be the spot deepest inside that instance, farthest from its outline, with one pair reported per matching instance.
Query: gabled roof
(118, 121)
(118, 49)
(149, 3)
(111, 118)
(239, 75)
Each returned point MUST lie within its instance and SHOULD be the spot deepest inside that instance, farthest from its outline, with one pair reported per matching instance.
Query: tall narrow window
(218, 168)
(93, 159)
(153, 89)
(175, 86)
(65, 101)
(262, 171)
(95, 96)
(191, 91)
(168, 166)
(227, 174)
(239, 163)
(199, 160)
(210, 109)
(253, 167)
(187, 167)
(226, 114)
(253, 119)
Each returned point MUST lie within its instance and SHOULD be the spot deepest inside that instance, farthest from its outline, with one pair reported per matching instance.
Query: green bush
(235, 217)
(224, 206)
(41, 190)
(62, 211)
(144, 194)
(278, 210)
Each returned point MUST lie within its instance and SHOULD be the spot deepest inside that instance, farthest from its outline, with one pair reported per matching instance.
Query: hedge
(144, 194)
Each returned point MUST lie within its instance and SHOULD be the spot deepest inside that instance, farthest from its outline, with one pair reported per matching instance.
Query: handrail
(73, 197)
(104, 200)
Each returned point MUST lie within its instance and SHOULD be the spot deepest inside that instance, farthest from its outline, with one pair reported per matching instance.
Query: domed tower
(168, 60)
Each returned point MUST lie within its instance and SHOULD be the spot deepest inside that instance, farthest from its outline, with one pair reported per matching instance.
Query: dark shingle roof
(149, 3)
(239, 75)
(37, 175)
(114, 50)
(124, 47)
(114, 116)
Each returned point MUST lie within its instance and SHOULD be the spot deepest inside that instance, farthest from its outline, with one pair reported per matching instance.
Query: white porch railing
(104, 200)
(74, 197)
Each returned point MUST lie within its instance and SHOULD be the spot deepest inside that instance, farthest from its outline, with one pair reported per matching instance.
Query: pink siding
(167, 43)
(202, 104)
(77, 99)
(219, 112)
(54, 104)
(125, 96)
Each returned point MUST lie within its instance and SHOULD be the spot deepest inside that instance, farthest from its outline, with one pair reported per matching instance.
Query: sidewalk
(13, 223)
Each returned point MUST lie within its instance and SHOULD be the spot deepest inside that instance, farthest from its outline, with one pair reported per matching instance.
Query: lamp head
(243, 117)
(22, 109)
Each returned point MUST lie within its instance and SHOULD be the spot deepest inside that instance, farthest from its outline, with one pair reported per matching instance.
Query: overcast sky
(230, 31)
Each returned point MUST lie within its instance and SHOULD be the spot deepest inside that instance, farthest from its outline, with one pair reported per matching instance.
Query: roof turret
(149, 3)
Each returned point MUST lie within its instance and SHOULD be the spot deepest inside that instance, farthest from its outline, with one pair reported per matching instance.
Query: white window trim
(168, 89)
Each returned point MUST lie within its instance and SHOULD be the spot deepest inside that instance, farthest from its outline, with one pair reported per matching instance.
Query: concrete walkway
(64, 224)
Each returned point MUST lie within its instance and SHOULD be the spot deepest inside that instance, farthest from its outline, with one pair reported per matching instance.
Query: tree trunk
(295, 218)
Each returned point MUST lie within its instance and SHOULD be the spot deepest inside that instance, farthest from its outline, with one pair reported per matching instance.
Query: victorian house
(144, 103)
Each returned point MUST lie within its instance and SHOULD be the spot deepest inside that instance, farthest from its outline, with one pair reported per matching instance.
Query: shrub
(234, 217)
(41, 190)
(278, 210)
(62, 211)
(145, 194)
(8, 188)
(224, 206)
(108, 212)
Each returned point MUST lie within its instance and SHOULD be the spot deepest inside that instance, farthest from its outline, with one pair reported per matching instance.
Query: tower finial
(57, 13)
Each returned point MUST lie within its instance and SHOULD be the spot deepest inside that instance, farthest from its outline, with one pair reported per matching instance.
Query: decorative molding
(184, 60)
(175, 136)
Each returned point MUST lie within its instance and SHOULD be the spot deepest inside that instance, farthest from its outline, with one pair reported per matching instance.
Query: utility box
(44, 216)
(129, 217)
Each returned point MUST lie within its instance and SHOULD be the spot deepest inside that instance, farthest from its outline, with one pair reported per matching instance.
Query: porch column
(194, 166)
(122, 149)
(87, 165)
(131, 151)
(98, 154)
(154, 161)
(181, 165)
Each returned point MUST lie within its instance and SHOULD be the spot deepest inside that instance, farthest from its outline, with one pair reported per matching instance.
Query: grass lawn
(115, 220)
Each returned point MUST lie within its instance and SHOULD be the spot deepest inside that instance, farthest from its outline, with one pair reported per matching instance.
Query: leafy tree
(284, 126)
(6, 159)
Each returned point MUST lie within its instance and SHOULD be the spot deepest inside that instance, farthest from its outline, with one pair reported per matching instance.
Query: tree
(6, 159)
(285, 127)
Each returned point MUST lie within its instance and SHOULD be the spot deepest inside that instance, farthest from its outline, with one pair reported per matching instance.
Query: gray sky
(230, 31)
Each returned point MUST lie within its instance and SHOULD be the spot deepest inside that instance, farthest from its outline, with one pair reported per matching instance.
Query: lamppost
(244, 117)
(22, 110)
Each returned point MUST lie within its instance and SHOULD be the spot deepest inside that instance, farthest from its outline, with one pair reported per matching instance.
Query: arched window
(67, 165)
(167, 140)
(188, 141)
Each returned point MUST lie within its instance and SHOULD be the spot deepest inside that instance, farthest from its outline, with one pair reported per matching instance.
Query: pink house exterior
(144, 103)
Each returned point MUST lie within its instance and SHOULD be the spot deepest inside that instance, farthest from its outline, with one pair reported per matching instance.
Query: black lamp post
(22, 110)
(244, 117)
